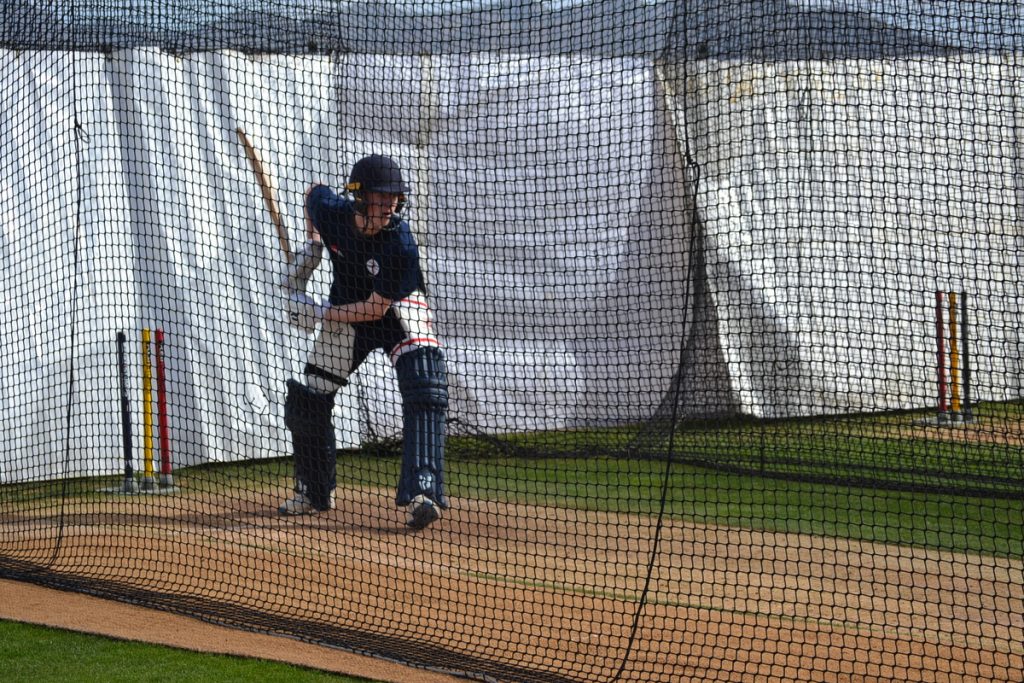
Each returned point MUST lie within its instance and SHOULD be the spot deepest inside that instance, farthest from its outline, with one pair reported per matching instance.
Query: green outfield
(38, 654)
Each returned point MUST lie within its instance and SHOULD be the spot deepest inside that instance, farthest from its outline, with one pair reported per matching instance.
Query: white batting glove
(304, 312)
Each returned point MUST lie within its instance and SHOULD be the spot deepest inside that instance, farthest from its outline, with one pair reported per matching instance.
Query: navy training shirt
(387, 263)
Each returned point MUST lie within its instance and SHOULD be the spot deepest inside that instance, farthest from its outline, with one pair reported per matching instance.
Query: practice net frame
(730, 297)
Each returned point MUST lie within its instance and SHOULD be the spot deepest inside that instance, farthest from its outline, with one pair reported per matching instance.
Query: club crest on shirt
(373, 267)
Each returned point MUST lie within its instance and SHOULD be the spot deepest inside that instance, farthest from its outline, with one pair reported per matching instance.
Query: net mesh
(728, 294)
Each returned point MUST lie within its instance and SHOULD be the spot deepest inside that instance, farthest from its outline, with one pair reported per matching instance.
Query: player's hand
(304, 312)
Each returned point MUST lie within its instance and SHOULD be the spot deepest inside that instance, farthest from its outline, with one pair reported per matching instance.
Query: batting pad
(423, 381)
(307, 413)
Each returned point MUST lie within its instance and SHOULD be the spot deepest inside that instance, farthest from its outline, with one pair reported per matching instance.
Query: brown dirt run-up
(555, 592)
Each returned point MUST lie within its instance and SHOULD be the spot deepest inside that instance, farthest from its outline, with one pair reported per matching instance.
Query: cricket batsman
(377, 301)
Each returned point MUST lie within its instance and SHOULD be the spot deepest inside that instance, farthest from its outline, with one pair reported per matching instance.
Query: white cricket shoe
(299, 504)
(422, 513)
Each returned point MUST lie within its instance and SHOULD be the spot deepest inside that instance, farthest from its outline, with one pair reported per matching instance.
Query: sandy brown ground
(987, 430)
(556, 591)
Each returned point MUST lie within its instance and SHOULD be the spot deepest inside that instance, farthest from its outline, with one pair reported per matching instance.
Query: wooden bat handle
(268, 192)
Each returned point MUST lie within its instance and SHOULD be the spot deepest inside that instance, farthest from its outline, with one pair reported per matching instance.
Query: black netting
(705, 318)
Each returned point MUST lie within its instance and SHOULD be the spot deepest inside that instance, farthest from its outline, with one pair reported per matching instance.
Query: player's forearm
(306, 262)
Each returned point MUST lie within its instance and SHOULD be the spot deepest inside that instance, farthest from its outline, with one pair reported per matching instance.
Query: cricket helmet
(376, 173)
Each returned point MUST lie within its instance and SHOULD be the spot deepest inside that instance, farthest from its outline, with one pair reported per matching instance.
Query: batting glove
(304, 312)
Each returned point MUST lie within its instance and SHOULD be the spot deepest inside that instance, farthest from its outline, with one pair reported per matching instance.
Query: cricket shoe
(301, 505)
(422, 513)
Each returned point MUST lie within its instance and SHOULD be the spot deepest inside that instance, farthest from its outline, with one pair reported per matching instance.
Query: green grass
(959, 524)
(39, 654)
(874, 450)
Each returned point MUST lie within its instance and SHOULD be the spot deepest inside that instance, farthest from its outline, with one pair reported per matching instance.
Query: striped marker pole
(128, 486)
(148, 480)
(965, 354)
(954, 360)
(166, 476)
(940, 356)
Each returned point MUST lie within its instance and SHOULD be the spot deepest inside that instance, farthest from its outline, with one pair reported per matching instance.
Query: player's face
(380, 207)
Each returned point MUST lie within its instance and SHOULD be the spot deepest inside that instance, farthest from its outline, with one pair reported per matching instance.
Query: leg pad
(423, 382)
(307, 413)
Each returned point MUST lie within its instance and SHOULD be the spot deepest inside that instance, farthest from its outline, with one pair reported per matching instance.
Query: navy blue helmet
(376, 173)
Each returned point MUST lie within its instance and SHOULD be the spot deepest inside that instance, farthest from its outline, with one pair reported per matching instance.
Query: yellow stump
(954, 358)
(148, 478)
